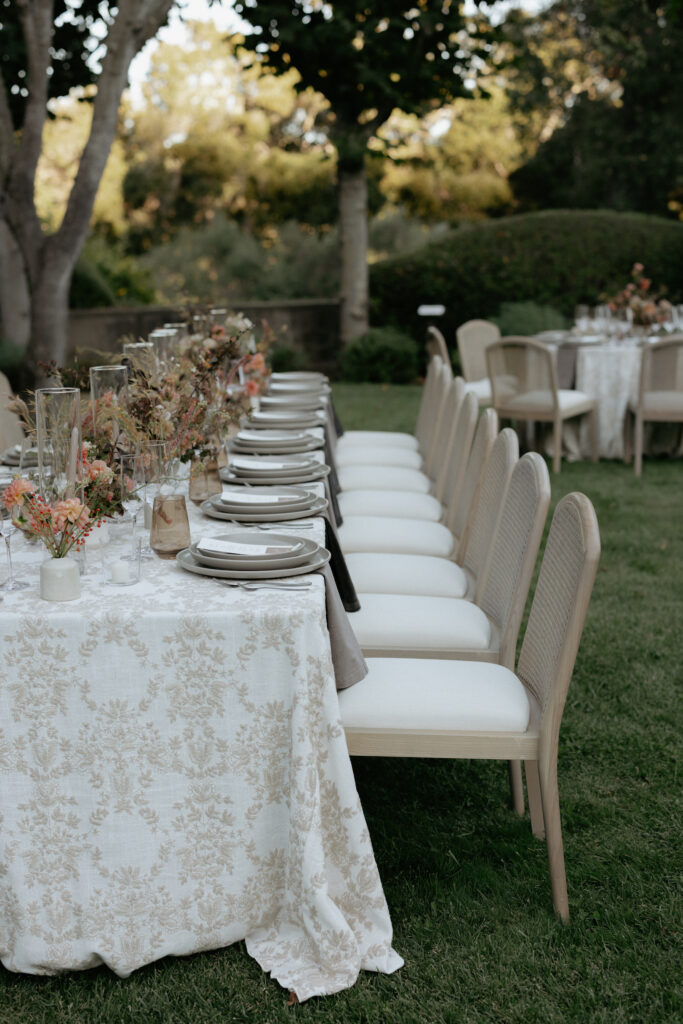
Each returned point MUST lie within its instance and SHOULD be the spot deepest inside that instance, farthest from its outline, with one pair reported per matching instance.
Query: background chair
(473, 338)
(524, 387)
(436, 344)
(660, 393)
(11, 429)
(461, 709)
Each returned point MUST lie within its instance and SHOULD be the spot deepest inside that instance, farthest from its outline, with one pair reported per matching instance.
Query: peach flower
(252, 388)
(15, 493)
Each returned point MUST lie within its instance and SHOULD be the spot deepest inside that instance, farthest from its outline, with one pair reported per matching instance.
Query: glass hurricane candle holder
(166, 343)
(58, 433)
(108, 393)
(141, 356)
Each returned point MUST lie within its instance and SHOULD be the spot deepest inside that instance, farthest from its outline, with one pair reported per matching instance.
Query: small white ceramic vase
(60, 580)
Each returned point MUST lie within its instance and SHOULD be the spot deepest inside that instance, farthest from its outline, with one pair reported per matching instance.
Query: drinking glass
(151, 474)
(8, 529)
(170, 531)
(131, 488)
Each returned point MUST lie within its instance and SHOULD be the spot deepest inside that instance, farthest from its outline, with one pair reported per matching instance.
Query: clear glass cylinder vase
(58, 435)
(108, 395)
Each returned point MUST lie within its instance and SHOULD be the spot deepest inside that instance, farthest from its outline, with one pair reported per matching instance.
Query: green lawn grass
(467, 884)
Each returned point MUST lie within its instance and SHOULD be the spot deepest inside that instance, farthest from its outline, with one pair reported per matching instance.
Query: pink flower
(637, 268)
(16, 492)
(252, 388)
(98, 469)
(71, 510)
(644, 283)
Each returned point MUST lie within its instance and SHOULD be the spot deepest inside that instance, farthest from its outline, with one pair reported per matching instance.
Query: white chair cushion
(401, 504)
(542, 401)
(396, 621)
(481, 389)
(383, 437)
(659, 402)
(405, 536)
(375, 573)
(433, 695)
(374, 455)
(383, 478)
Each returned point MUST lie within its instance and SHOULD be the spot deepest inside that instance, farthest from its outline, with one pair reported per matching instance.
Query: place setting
(246, 558)
(277, 469)
(274, 442)
(260, 505)
(18, 456)
(291, 418)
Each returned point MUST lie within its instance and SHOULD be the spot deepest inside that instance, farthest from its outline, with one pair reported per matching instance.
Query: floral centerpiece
(643, 304)
(61, 526)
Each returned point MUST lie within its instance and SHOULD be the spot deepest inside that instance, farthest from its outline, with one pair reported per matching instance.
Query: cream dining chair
(363, 471)
(420, 536)
(660, 393)
(473, 338)
(524, 385)
(431, 576)
(424, 426)
(486, 629)
(436, 344)
(466, 709)
(11, 429)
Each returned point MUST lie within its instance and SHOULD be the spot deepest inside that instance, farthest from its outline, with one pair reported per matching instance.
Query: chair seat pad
(380, 573)
(376, 455)
(481, 389)
(382, 437)
(398, 621)
(383, 478)
(405, 536)
(659, 403)
(398, 504)
(542, 401)
(434, 695)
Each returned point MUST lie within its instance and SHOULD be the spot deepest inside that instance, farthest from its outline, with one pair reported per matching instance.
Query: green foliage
(285, 359)
(382, 355)
(557, 259)
(528, 318)
(603, 81)
(69, 50)
(376, 58)
(106, 276)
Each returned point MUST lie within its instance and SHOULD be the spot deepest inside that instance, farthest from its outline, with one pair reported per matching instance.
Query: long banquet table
(174, 777)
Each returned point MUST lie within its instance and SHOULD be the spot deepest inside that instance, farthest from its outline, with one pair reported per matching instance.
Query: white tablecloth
(174, 777)
(608, 373)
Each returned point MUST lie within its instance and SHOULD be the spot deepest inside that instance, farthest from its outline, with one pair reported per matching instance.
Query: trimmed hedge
(557, 258)
(382, 356)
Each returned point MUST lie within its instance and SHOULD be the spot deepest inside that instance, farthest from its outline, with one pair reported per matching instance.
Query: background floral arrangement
(645, 305)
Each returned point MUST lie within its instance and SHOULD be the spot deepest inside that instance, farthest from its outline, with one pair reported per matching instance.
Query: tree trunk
(50, 315)
(15, 299)
(353, 243)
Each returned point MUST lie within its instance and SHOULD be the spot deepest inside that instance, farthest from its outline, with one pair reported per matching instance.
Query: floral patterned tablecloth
(174, 777)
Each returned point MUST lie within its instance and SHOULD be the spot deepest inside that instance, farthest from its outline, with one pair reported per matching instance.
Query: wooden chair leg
(595, 435)
(516, 785)
(628, 436)
(533, 792)
(638, 460)
(553, 837)
(557, 446)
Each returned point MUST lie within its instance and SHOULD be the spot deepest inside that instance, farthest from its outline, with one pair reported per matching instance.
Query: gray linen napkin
(347, 660)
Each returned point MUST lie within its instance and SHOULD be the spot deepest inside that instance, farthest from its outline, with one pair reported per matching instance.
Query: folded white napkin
(211, 545)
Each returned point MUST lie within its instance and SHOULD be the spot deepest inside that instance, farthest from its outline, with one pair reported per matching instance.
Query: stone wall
(309, 326)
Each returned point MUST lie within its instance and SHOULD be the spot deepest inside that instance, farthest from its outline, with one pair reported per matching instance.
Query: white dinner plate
(298, 375)
(318, 506)
(302, 549)
(285, 478)
(268, 449)
(269, 496)
(187, 561)
(272, 463)
(299, 387)
(276, 436)
(298, 403)
(291, 420)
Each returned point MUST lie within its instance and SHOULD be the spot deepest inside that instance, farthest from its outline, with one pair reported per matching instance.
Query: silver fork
(266, 585)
